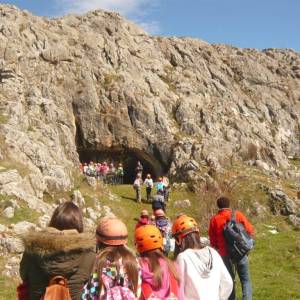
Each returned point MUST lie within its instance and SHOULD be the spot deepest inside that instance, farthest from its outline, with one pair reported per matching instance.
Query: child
(204, 275)
(116, 272)
(144, 219)
(165, 227)
(61, 249)
(160, 279)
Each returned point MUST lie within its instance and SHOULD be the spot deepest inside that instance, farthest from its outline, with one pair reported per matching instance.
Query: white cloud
(152, 27)
(124, 7)
(136, 10)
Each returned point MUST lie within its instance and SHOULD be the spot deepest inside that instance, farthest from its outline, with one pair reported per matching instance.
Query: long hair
(190, 241)
(152, 258)
(113, 254)
(67, 216)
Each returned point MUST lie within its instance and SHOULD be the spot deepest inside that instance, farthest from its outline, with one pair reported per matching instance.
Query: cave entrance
(129, 159)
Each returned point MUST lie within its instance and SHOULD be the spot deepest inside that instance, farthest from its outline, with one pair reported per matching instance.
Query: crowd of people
(115, 272)
(108, 173)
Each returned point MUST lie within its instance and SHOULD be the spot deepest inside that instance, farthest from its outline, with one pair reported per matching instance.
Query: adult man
(217, 240)
(137, 185)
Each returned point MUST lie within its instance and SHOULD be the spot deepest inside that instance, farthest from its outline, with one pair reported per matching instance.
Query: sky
(242, 23)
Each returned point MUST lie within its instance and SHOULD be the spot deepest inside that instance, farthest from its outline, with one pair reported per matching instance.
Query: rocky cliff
(97, 85)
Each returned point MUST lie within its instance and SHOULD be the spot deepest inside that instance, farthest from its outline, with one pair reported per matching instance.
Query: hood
(51, 241)
(202, 260)
(147, 276)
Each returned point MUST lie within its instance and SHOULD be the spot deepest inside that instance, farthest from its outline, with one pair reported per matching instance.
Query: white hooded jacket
(204, 275)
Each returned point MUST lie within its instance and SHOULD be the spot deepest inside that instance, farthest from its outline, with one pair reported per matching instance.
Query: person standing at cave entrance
(139, 168)
(160, 187)
(137, 185)
(166, 183)
(120, 174)
(85, 167)
(103, 171)
(149, 185)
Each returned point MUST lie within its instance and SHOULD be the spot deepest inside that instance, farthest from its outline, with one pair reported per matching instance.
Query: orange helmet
(111, 231)
(184, 225)
(148, 237)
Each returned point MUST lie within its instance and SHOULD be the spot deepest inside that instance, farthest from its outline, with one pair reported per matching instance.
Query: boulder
(8, 212)
(77, 198)
(23, 227)
(295, 220)
(91, 181)
(280, 203)
(11, 245)
(3, 228)
(182, 203)
(262, 165)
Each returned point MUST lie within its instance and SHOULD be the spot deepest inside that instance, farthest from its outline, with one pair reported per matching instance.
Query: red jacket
(216, 226)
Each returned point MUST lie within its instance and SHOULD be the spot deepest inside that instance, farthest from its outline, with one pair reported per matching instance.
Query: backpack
(147, 292)
(57, 289)
(238, 241)
(116, 285)
(165, 227)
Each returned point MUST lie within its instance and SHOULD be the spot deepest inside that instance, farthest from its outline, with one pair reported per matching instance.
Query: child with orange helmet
(204, 275)
(116, 273)
(160, 278)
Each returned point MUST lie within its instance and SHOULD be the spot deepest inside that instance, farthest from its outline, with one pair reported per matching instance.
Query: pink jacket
(164, 291)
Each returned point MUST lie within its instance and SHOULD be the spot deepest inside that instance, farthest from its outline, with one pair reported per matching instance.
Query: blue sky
(243, 23)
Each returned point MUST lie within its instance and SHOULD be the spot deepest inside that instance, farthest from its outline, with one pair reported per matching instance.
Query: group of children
(109, 173)
(116, 272)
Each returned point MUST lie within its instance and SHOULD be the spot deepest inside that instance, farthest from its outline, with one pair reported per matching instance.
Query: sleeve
(242, 219)
(212, 234)
(181, 270)
(226, 283)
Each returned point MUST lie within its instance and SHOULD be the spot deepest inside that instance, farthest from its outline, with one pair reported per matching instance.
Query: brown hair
(67, 216)
(152, 258)
(190, 241)
(113, 254)
(223, 202)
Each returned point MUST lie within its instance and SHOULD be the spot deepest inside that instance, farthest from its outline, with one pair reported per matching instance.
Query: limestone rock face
(98, 83)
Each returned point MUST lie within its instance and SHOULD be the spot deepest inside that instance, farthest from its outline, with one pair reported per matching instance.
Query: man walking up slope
(218, 242)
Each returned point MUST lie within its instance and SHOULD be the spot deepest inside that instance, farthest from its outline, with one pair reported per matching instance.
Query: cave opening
(129, 159)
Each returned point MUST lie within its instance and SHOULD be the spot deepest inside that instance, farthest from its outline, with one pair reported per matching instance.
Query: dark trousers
(242, 268)
(148, 192)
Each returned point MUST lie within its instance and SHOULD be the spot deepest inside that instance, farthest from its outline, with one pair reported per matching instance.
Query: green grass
(7, 285)
(274, 263)
(275, 266)
(21, 214)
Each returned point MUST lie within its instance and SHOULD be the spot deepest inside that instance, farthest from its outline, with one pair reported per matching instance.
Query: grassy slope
(275, 262)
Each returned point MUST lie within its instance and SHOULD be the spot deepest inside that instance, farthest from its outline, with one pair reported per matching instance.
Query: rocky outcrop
(97, 83)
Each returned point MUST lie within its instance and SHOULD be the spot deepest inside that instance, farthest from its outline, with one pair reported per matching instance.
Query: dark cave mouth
(129, 159)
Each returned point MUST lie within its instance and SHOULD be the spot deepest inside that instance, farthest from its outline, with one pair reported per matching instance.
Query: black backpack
(238, 241)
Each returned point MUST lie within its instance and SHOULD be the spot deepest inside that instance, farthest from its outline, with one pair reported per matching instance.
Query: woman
(204, 275)
(116, 273)
(61, 249)
(160, 279)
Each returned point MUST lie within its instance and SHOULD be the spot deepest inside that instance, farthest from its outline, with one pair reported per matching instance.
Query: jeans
(138, 194)
(242, 268)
